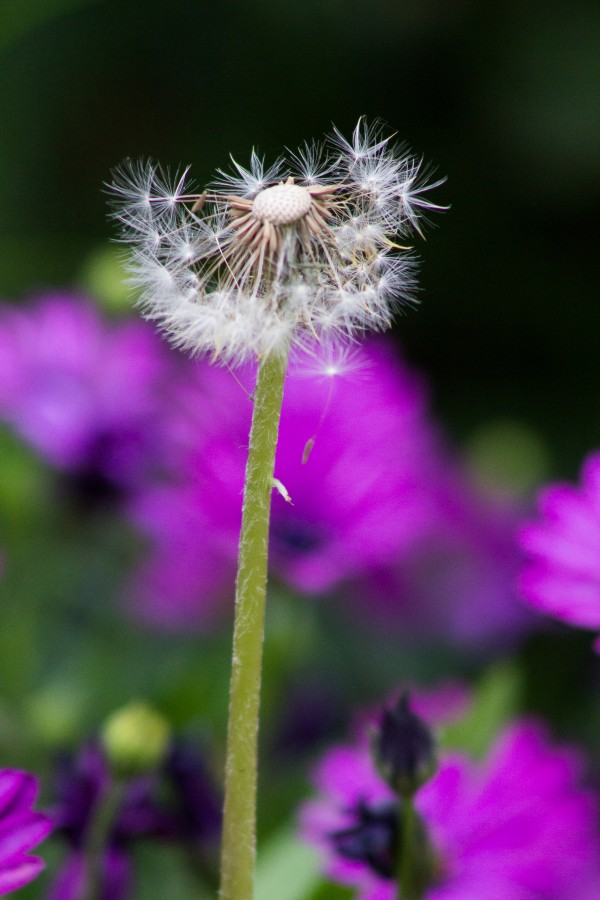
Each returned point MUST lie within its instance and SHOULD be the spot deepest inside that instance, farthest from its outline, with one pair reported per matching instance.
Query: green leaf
(496, 700)
(287, 868)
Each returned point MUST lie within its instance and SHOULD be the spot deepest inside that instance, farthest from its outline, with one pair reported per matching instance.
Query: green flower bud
(135, 739)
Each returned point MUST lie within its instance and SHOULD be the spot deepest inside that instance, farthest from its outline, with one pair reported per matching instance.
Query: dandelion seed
(265, 257)
(333, 361)
(281, 489)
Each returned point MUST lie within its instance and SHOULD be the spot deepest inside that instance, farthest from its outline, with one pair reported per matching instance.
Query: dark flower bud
(404, 749)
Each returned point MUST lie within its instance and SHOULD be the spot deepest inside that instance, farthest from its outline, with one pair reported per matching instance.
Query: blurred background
(501, 99)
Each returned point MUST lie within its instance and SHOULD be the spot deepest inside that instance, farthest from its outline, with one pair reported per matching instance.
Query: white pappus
(310, 248)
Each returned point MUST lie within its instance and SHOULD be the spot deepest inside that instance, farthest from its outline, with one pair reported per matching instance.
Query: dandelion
(267, 257)
(264, 259)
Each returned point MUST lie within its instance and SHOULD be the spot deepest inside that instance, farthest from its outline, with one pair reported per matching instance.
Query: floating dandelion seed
(330, 362)
(267, 257)
(329, 365)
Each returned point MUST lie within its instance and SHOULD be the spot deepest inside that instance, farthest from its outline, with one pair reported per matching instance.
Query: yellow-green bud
(135, 739)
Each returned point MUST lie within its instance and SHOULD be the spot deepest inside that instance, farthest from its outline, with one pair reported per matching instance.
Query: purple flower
(21, 829)
(382, 517)
(459, 581)
(360, 498)
(515, 826)
(562, 577)
(176, 803)
(82, 784)
(84, 393)
(380, 511)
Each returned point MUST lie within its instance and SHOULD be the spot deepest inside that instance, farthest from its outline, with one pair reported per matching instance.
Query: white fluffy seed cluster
(264, 258)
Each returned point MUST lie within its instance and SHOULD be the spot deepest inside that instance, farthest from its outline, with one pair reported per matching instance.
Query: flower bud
(404, 749)
(135, 739)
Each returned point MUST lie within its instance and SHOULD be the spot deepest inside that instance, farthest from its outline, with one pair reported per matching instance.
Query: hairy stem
(239, 816)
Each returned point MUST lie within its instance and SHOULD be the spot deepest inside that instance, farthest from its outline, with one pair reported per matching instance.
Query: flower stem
(97, 840)
(408, 888)
(239, 816)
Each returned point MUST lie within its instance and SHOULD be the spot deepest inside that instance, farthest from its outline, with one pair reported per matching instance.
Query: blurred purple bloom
(360, 498)
(82, 784)
(380, 512)
(458, 583)
(84, 393)
(195, 802)
(381, 517)
(177, 803)
(21, 829)
(515, 826)
(562, 577)
(72, 879)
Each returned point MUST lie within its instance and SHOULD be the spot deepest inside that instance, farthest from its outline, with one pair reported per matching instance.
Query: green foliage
(496, 700)
(287, 868)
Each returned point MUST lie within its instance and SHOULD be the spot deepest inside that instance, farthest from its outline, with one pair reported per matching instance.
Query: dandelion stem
(239, 817)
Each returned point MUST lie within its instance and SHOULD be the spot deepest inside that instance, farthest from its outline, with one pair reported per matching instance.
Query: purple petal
(16, 877)
(19, 833)
(17, 789)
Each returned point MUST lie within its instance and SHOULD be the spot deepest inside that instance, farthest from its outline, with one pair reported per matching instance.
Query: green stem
(239, 816)
(98, 838)
(407, 885)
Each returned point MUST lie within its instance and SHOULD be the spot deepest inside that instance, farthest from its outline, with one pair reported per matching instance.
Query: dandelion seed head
(305, 249)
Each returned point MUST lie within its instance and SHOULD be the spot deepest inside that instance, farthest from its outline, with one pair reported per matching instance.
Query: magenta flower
(362, 497)
(21, 829)
(381, 515)
(458, 580)
(515, 826)
(84, 393)
(562, 577)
